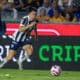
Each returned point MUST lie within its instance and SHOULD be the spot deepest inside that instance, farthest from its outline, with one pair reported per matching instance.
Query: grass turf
(12, 74)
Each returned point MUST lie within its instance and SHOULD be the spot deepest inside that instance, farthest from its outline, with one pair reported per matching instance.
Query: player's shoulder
(24, 17)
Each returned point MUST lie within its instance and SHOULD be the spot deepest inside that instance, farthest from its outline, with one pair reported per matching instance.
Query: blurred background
(58, 24)
(47, 10)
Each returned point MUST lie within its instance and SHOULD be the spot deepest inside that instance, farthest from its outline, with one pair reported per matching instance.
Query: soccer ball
(55, 70)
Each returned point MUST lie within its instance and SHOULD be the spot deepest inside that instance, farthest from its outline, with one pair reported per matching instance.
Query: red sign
(49, 29)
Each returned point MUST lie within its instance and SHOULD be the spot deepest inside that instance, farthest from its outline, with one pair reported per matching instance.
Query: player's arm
(24, 27)
(35, 32)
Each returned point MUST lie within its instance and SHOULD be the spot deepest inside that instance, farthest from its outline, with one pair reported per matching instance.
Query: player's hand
(32, 24)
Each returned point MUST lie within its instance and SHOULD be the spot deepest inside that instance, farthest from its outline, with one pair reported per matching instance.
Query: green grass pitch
(14, 74)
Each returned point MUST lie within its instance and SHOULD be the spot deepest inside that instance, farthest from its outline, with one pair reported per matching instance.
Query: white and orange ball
(55, 70)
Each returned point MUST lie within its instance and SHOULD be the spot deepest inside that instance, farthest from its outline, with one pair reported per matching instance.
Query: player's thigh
(10, 55)
(25, 47)
(11, 52)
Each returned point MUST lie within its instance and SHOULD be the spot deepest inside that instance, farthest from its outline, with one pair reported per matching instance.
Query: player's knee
(9, 58)
(26, 47)
(10, 55)
(31, 47)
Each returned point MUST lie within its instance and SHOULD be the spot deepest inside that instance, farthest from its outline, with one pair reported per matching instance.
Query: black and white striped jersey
(22, 36)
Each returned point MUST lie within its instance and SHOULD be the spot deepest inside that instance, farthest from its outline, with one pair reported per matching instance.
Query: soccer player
(21, 38)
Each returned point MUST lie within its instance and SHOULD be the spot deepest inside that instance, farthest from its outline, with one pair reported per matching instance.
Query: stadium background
(57, 44)
(58, 41)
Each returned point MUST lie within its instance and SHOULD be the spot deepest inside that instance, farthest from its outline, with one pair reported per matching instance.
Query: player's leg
(24, 56)
(21, 59)
(10, 55)
(7, 58)
(13, 47)
(28, 51)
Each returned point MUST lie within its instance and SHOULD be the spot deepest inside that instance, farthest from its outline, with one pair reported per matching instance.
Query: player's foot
(28, 60)
(15, 60)
(20, 65)
(2, 63)
(20, 62)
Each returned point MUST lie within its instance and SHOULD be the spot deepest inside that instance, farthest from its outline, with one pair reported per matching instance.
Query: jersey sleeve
(24, 22)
